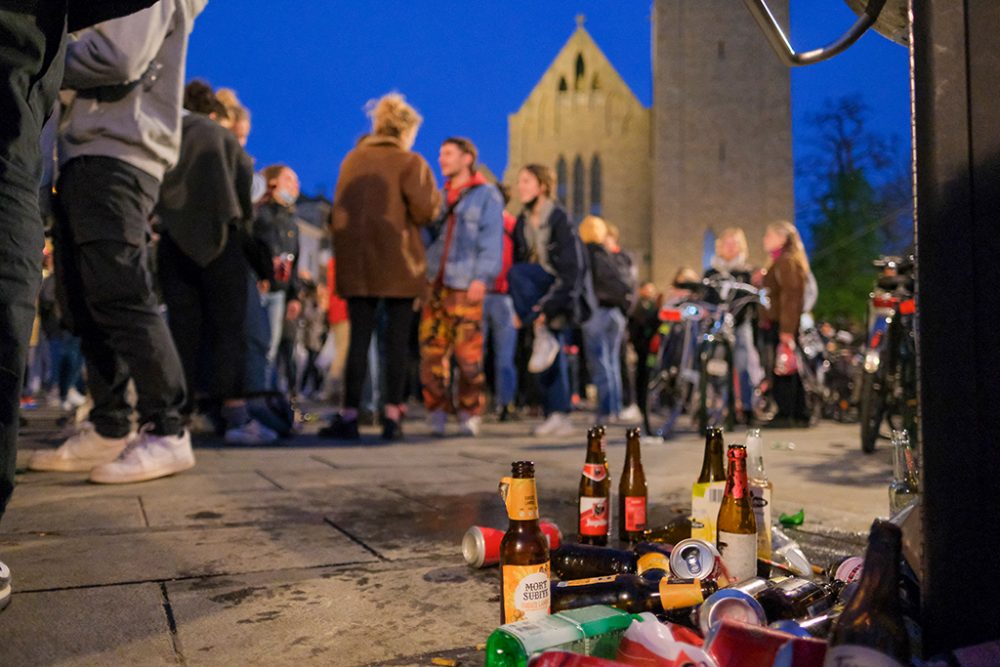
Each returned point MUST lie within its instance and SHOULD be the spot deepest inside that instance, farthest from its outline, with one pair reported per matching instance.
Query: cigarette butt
(444, 662)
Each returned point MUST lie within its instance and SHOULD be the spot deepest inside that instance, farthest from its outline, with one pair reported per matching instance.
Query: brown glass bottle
(871, 631)
(595, 492)
(737, 525)
(794, 597)
(524, 551)
(675, 530)
(633, 495)
(631, 593)
(706, 494)
(583, 561)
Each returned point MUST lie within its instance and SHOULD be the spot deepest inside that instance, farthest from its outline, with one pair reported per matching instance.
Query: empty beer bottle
(582, 561)
(870, 632)
(796, 597)
(706, 494)
(905, 486)
(761, 489)
(737, 525)
(633, 497)
(524, 551)
(675, 530)
(631, 593)
(595, 492)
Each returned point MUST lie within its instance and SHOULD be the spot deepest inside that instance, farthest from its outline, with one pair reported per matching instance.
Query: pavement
(313, 553)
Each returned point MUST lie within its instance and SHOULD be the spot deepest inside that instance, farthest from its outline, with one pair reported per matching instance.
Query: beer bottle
(706, 494)
(631, 593)
(905, 484)
(675, 530)
(595, 492)
(633, 497)
(737, 525)
(795, 597)
(870, 632)
(761, 489)
(582, 561)
(524, 550)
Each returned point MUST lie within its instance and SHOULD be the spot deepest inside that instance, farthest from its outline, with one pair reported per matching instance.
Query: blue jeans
(602, 338)
(258, 333)
(498, 327)
(274, 303)
(746, 363)
(66, 364)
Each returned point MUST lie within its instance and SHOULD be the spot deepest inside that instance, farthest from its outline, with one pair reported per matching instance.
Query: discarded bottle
(582, 561)
(761, 489)
(633, 496)
(795, 597)
(815, 626)
(905, 486)
(870, 632)
(676, 530)
(796, 519)
(707, 492)
(595, 492)
(631, 593)
(524, 550)
(737, 524)
(592, 631)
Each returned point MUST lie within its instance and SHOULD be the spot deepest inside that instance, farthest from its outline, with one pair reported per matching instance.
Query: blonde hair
(736, 233)
(392, 116)
(593, 230)
(614, 232)
(793, 248)
(231, 101)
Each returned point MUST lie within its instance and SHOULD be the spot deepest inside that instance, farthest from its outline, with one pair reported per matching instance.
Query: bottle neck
(632, 454)
(736, 479)
(757, 472)
(711, 466)
(595, 452)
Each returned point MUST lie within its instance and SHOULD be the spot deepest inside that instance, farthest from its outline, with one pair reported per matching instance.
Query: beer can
(738, 604)
(481, 544)
(849, 570)
(695, 559)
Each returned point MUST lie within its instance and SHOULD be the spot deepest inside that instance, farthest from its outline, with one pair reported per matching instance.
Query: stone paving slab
(38, 513)
(115, 625)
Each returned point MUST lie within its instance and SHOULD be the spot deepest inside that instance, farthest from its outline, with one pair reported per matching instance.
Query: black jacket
(743, 276)
(275, 228)
(567, 296)
(612, 278)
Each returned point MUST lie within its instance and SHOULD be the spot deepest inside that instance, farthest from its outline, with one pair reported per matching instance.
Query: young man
(464, 257)
(119, 136)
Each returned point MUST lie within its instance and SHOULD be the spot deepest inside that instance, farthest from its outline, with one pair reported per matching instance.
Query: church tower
(722, 146)
(584, 122)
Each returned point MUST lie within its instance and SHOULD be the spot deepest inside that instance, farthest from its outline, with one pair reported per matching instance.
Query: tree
(859, 203)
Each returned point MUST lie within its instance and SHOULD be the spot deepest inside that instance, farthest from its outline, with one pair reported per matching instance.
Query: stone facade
(714, 151)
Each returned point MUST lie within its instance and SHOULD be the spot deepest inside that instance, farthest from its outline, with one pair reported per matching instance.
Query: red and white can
(696, 559)
(481, 544)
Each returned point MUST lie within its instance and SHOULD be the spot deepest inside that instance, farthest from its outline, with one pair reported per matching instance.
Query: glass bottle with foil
(905, 486)
(761, 489)
(871, 631)
(524, 550)
(594, 498)
(633, 494)
(707, 492)
(737, 525)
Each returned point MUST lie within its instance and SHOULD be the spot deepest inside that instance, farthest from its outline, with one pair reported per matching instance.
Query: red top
(501, 286)
(337, 311)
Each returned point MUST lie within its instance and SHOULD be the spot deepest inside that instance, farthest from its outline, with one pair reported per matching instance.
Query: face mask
(284, 197)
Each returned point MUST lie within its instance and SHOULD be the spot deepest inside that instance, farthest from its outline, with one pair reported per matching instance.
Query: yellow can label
(680, 596)
(654, 560)
(526, 594)
(520, 497)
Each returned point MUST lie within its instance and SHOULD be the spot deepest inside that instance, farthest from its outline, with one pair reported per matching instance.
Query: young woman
(786, 278)
(546, 285)
(385, 194)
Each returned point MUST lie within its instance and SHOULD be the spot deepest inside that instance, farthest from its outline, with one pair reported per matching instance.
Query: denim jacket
(476, 251)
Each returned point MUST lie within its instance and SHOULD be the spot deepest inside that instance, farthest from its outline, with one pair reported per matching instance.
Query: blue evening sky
(305, 68)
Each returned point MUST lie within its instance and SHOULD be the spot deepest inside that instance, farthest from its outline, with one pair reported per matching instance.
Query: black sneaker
(4, 586)
(340, 429)
(392, 430)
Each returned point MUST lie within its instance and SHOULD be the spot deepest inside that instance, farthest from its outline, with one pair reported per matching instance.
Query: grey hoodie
(128, 75)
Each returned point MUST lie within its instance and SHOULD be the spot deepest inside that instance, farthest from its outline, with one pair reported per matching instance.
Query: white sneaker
(74, 399)
(81, 452)
(469, 425)
(438, 421)
(5, 589)
(251, 433)
(147, 457)
(544, 351)
(557, 424)
(630, 414)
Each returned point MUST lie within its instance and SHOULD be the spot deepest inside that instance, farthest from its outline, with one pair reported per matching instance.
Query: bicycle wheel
(872, 408)
(716, 404)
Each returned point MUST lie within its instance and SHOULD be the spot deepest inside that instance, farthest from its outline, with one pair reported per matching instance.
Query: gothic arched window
(562, 85)
(562, 177)
(580, 71)
(579, 181)
(595, 185)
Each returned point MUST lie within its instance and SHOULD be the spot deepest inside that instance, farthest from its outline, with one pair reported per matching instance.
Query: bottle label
(550, 632)
(760, 500)
(680, 596)
(597, 472)
(654, 560)
(526, 595)
(520, 497)
(635, 513)
(850, 655)
(739, 555)
(585, 582)
(594, 519)
(706, 500)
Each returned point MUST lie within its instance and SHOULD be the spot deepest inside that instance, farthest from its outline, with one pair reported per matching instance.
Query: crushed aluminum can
(481, 544)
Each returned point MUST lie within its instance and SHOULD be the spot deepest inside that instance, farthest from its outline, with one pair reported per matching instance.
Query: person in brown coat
(385, 193)
(785, 278)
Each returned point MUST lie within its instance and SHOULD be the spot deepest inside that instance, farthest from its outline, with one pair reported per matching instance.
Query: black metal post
(956, 70)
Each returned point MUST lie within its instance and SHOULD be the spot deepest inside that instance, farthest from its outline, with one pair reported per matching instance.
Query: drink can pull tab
(504, 489)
